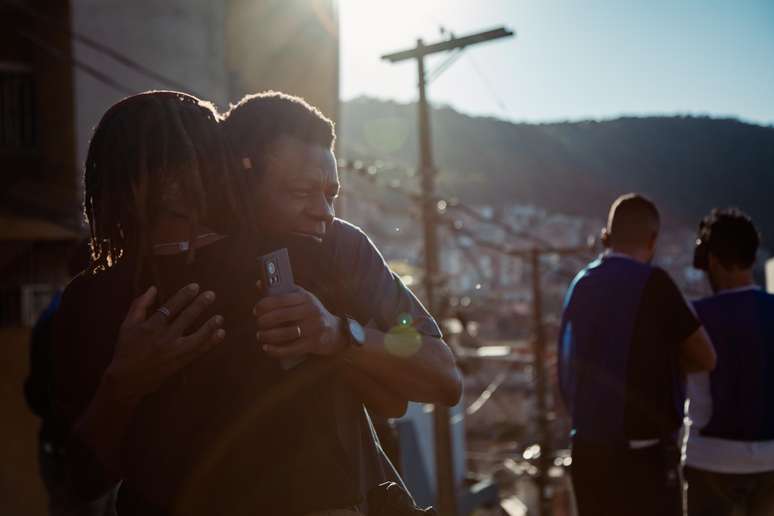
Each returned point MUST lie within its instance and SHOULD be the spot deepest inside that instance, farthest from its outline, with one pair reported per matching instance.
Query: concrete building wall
(220, 50)
(39, 178)
(184, 40)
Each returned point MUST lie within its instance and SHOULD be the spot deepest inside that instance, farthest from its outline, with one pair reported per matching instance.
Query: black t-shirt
(232, 431)
(619, 351)
(664, 321)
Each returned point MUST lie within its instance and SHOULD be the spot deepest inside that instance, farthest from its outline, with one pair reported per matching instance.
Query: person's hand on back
(150, 349)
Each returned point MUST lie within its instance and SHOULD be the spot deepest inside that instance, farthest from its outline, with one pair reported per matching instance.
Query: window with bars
(18, 116)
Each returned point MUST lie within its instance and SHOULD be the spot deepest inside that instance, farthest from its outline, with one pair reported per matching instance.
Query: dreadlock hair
(260, 119)
(142, 145)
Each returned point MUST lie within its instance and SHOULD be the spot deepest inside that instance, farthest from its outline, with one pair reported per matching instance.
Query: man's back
(733, 424)
(729, 465)
(622, 326)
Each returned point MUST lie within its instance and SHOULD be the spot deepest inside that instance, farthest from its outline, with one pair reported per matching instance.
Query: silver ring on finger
(163, 310)
(298, 329)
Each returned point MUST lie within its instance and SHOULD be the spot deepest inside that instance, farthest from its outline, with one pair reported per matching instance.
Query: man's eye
(300, 194)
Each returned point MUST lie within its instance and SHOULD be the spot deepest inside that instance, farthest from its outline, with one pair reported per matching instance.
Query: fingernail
(265, 348)
(258, 283)
(193, 287)
(218, 320)
(220, 333)
(209, 295)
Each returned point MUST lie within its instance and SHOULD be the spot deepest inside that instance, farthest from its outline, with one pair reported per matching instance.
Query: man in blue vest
(627, 337)
(730, 451)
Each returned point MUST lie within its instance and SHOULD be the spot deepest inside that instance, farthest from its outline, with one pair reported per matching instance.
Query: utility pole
(446, 492)
(539, 367)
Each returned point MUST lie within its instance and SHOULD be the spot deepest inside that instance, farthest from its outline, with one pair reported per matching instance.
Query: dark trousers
(627, 482)
(729, 494)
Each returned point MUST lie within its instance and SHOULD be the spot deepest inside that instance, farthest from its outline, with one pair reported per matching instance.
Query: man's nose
(322, 210)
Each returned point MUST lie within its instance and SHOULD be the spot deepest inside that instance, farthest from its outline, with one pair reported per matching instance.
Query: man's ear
(604, 237)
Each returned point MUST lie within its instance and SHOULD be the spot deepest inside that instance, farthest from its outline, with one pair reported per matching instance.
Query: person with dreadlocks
(372, 320)
(157, 396)
(141, 166)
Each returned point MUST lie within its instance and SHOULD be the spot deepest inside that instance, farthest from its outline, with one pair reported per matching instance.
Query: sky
(571, 59)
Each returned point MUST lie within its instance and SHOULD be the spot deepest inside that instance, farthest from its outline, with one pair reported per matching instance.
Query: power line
(86, 68)
(507, 228)
(488, 84)
(101, 48)
(453, 57)
(370, 173)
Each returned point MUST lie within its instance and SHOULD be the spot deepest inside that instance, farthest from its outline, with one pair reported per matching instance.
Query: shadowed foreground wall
(21, 491)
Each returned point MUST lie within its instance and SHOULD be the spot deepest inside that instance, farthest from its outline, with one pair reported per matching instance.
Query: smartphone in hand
(276, 277)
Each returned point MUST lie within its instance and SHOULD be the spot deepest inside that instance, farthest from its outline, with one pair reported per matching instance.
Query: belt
(336, 512)
(643, 443)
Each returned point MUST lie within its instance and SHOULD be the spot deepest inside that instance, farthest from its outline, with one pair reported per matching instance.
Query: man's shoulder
(591, 268)
(705, 301)
(659, 274)
(764, 299)
(349, 242)
(342, 231)
(614, 269)
(662, 291)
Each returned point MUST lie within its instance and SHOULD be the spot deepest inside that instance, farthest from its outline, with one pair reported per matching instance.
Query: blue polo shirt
(619, 374)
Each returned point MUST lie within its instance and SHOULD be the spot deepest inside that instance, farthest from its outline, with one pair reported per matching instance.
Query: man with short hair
(627, 336)
(372, 320)
(730, 451)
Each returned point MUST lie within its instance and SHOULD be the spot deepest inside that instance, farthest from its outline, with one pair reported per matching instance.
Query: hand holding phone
(276, 276)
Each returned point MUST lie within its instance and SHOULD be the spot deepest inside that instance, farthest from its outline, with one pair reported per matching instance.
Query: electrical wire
(450, 60)
(488, 84)
(370, 172)
(101, 48)
(86, 68)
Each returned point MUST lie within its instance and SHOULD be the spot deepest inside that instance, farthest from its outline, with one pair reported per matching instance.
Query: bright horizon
(569, 61)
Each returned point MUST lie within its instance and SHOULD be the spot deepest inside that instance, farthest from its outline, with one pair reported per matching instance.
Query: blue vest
(600, 313)
(741, 326)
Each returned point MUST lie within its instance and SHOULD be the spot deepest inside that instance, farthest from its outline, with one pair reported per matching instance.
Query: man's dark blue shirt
(619, 374)
(741, 326)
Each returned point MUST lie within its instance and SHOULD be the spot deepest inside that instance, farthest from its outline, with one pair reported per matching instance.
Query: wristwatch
(353, 332)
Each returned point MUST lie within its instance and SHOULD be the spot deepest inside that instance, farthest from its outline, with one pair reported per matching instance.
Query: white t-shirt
(720, 455)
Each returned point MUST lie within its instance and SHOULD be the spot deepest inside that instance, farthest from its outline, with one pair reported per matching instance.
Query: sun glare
(384, 24)
(371, 28)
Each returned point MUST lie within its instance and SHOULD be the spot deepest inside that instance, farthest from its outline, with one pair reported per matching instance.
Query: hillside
(686, 164)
